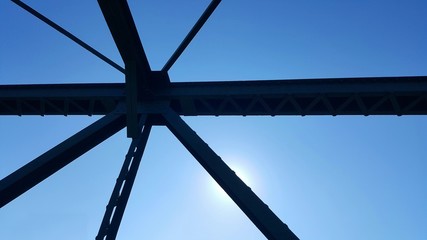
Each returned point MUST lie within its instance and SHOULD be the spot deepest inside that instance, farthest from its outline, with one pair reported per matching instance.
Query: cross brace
(47, 164)
(58, 157)
(121, 192)
(256, 210)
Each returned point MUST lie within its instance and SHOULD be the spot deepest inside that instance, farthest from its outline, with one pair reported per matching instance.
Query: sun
(241, 172)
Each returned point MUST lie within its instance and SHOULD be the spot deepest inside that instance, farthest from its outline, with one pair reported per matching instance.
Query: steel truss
(149, 98)
(339, 96)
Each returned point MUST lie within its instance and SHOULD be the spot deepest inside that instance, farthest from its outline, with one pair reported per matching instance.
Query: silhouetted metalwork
(69, 35)
(339, 96)
(121, 192)
(149, 98)
(199, 24)
(58, 157)
(256, 210)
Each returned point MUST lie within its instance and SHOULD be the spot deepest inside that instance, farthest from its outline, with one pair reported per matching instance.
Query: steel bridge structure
(148, 98)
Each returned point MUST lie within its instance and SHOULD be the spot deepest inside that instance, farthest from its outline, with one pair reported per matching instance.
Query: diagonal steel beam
(121, 192)
(137, 69)
(68, 34)
(58, 157)
(196, 28)
(257, 211)
(122, 27)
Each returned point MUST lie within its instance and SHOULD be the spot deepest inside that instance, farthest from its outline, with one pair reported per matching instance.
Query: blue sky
(328, 178)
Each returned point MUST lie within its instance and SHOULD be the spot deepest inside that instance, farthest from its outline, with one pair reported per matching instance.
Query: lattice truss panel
(367, 96)
(149, 98)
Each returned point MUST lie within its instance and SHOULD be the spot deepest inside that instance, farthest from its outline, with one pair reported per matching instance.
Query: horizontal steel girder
(56, 99)
(338, 96)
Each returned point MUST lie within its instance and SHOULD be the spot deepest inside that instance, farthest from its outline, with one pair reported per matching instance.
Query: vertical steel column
(259, 213)
(121, 192)
(131, 99)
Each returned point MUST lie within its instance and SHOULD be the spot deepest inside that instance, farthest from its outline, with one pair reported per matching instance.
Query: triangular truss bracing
(149, 98)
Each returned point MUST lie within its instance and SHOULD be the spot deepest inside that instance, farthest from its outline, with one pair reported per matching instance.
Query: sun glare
(220, 193)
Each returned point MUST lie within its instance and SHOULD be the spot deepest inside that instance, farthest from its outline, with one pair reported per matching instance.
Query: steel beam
(73, 90)
(122, 27)
(131, 99)
(121, 192)
(60, 99)
(196, 28)
(58, 157)
(297, 86)
(339, 96)
(137, 69)
(257, 211)
(68, 34)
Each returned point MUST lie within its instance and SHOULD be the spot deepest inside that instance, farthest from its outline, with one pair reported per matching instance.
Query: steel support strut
(137, 68)
(58, 157)
(68, 34)
(121, 192)
(196, 28)
(257, 211)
